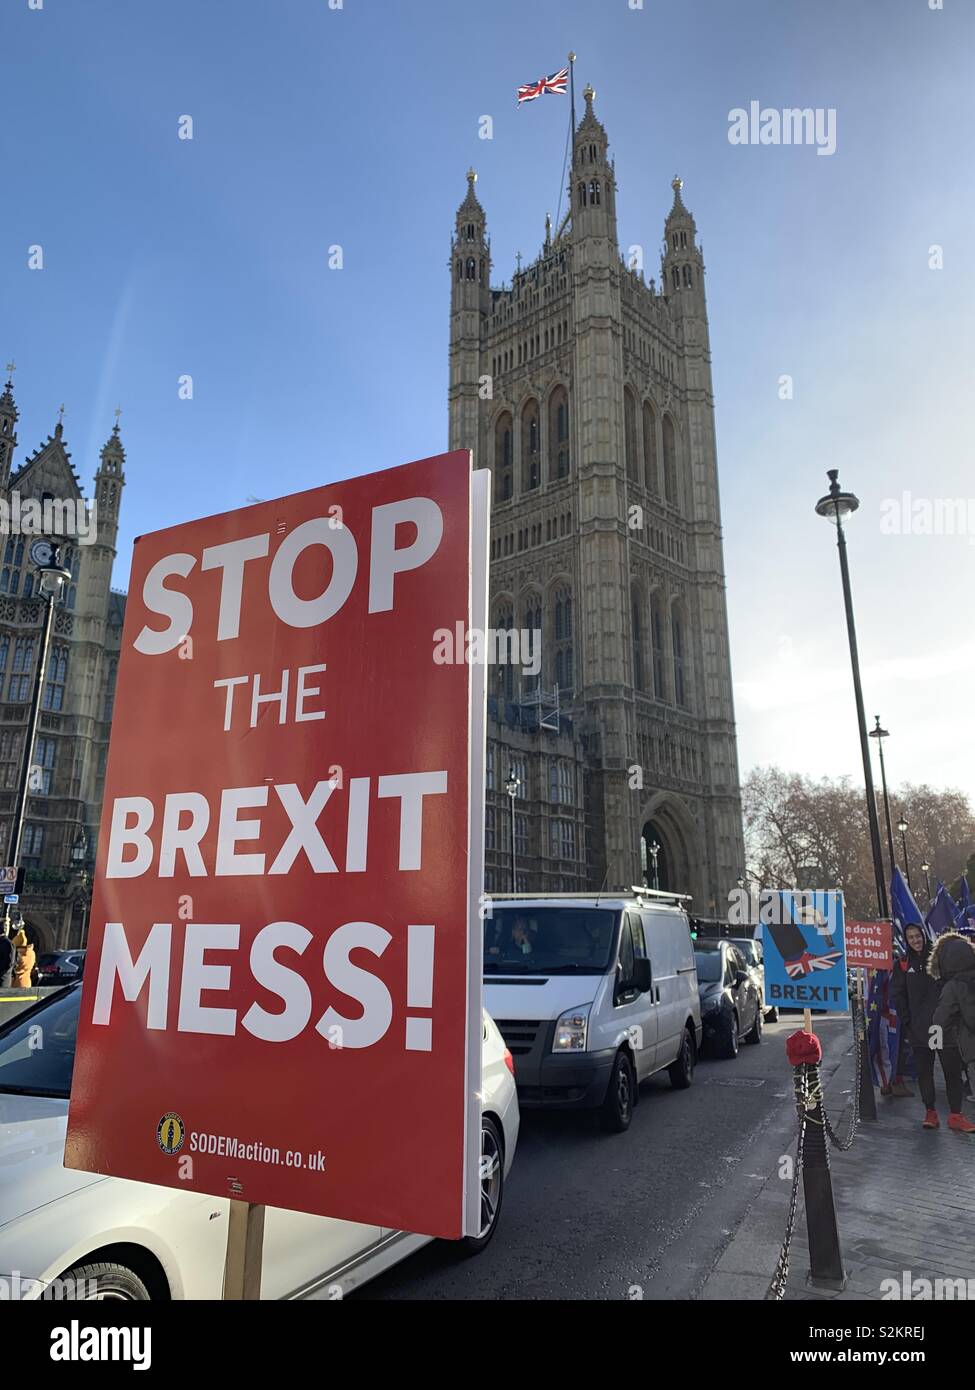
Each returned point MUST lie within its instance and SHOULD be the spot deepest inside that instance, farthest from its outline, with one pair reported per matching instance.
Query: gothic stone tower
(587, 392)
(64, 806)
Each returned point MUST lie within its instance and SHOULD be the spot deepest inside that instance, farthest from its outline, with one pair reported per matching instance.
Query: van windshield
(549, 940)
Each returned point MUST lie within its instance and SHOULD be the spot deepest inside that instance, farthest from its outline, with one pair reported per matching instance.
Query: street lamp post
(902, 827)
(511, 787)
(880, 734)
(925, 870)
(51, 579)
(81, 865)
(834, 506)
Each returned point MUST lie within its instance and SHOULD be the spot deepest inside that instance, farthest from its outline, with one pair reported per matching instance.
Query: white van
(592, 994)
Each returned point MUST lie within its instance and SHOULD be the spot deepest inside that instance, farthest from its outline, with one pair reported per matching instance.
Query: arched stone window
(503, 459)
(678, 638)
(582, 195)
(532, 624)
(564, 662)
(636, 638)
(629, 426)
(504, 671)
(531, 472)
(460, 269)
(675, 278)
(671, 482)
(471, 268)
(558, 433)
(687, 276)
(657, 647)
(595, 194)
(650, 448)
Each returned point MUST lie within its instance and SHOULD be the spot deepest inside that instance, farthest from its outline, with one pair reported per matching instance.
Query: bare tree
(801, 832)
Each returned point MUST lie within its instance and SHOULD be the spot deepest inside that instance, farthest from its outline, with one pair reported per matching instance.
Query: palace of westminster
(587, 392)
(598, 425)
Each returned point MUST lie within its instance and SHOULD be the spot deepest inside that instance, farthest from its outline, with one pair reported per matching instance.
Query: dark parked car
(731, 1006)
(755, 962)
(59, 967)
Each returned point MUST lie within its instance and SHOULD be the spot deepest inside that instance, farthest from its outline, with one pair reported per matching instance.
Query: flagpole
(572, 112)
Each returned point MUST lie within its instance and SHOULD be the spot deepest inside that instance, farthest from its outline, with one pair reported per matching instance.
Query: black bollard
(825, 1256)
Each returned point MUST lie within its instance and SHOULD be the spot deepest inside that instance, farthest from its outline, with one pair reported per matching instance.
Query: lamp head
(836, 504)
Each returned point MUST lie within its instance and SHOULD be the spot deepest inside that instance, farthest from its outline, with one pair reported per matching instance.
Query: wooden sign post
(245, 1251)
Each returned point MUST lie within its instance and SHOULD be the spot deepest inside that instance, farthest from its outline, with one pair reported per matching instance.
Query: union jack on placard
(556, 83)
(807, 963)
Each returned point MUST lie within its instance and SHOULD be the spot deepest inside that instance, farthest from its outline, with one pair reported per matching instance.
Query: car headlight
(571, 1030)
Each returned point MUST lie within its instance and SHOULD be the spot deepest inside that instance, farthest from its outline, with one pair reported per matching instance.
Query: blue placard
(804, 946)
(11, 897)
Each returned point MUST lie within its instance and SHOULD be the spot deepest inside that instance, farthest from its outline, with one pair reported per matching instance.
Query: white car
(109, 1238)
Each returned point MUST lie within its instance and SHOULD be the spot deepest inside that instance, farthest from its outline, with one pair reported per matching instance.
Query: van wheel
(105, 1282)
(728, 1046)
(492, 1187)
(617, 1109)
(681, 1072)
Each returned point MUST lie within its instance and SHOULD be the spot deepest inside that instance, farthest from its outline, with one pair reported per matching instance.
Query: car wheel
(728, 1046)
(492, 1187)
(681, 1072)
(617, 1111)
(99, 1282)
(754, 1035)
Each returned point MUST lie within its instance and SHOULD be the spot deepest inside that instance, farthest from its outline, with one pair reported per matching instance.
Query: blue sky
(316, 126)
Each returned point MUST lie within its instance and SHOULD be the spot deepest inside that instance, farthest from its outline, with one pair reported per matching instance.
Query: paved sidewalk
(905, 1205)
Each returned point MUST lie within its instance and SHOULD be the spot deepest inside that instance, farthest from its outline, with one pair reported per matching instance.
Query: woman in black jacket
(952, 961)
(916, 996)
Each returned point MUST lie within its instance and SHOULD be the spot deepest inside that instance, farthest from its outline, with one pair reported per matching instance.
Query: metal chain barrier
(800, 1082)
(844, 1144)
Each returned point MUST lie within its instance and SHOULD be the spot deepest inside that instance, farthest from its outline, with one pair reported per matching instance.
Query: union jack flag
(556, 83)
(807, 963)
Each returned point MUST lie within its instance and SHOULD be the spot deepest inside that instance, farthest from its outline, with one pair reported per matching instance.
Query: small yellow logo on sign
(170, 1133)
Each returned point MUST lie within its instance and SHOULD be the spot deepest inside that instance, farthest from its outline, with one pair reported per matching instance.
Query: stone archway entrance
(662, 838)
(40, 932)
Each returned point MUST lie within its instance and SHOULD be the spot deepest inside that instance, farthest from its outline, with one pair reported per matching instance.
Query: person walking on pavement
(917, 995)
(952, 961)
(25, 960)
(7, 954)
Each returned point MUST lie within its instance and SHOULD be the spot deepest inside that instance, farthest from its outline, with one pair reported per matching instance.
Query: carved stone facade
(587, 391)
(64, 803)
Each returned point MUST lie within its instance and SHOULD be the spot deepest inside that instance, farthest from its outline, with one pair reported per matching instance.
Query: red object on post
(803, 1049)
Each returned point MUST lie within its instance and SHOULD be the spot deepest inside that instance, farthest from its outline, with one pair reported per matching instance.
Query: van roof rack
(658, 894)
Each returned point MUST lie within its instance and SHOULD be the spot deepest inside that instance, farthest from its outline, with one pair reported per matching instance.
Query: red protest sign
(282, 991)
(869, 944)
